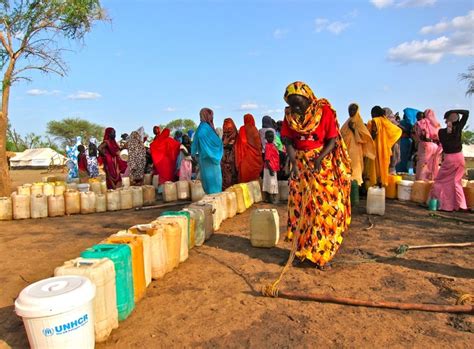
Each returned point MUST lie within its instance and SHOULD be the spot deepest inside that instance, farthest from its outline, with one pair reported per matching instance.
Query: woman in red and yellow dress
(319, 210)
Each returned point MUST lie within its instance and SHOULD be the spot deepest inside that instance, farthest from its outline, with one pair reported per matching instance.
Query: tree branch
(5, 44)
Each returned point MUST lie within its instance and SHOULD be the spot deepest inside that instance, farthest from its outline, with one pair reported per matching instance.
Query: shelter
(37, 158)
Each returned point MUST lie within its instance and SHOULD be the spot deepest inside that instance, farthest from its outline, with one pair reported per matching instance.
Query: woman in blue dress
(207, 147)
(406, 142)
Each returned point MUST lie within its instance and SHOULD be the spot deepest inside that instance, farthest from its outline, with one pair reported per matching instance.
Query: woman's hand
(294, 173)
(317, 164)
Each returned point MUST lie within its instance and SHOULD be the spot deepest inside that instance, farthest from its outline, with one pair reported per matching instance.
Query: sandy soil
(212, 300)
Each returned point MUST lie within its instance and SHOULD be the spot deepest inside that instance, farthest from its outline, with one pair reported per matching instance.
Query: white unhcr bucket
(58, 312)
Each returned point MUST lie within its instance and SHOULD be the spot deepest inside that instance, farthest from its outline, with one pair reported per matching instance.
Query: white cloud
(428, 51)
(81, 95)
(457, 40)
(462, 23)
(280, 33)
(382, 3)
(169, 109)
(39, 92)
(248, 106)
(416, 3)
(335, 27)
(353, 14)
(273, 111)
(402, 3)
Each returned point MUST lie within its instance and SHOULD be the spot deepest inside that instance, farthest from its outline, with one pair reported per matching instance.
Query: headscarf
(390, 115)
(268, 122)
(111, 142)
(207, 115)
(178, 135)
(312, 115)
(409, 114)
(141, 132)
(191, 134)
(230, 132)
(429, 125)
(253, 137)
(93, 140)
(431, 117)
(361, 134)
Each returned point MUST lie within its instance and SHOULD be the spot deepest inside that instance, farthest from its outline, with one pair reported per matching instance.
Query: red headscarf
(164, 152)
(111, 142)
(253, 137)
(249, 159)
(230, 132)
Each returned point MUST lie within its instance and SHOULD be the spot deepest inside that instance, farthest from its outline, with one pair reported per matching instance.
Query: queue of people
(415, 144)
(219, 159)
(308, 148)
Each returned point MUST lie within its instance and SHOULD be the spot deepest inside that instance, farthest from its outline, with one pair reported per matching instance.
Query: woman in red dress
(248, 153)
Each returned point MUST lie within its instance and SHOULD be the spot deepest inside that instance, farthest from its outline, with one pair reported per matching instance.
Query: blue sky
(161, 60)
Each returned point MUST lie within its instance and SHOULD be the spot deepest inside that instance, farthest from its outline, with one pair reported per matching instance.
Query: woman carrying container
(113, 166)
(248, 156)
(207, 147)
(359, 142)
(447, 187)
(229, 171)
(319, 199)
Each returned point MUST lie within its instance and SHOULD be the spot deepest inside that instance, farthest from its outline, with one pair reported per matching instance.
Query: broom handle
(463, 244)
(441, 308)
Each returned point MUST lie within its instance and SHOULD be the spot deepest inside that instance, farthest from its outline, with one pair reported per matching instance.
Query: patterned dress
(319, 210)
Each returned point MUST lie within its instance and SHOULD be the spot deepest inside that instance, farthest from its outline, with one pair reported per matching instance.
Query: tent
(35, 158)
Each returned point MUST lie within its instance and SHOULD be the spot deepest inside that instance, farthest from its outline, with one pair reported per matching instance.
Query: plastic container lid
(405, 183)
(54, 296)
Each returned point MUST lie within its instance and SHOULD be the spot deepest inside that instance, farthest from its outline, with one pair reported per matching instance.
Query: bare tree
(30, 34)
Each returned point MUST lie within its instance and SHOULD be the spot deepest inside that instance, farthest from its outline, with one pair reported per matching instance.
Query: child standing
(185, 161)
(82, 164)
(272, 165)
(92, 162)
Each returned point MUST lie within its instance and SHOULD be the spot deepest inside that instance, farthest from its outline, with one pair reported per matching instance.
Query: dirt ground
(20, 177)
(213, 300)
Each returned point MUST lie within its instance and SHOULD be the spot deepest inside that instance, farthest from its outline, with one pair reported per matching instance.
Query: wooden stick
(438, 308)
(177, 203)
(463, 244)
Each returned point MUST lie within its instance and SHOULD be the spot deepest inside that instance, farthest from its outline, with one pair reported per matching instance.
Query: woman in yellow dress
(319, 211)
(359, 142)
(385, 134)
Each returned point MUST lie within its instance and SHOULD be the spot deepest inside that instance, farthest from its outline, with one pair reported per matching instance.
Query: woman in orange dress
(248, 155)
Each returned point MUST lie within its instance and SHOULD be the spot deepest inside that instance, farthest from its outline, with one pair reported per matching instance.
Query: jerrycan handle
(83, 263)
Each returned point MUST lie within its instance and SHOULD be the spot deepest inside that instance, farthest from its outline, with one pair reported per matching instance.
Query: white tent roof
(40, 157)
(468, 150)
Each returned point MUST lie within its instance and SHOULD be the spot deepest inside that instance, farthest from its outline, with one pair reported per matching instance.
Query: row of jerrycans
(123, 265)
(22, 206)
